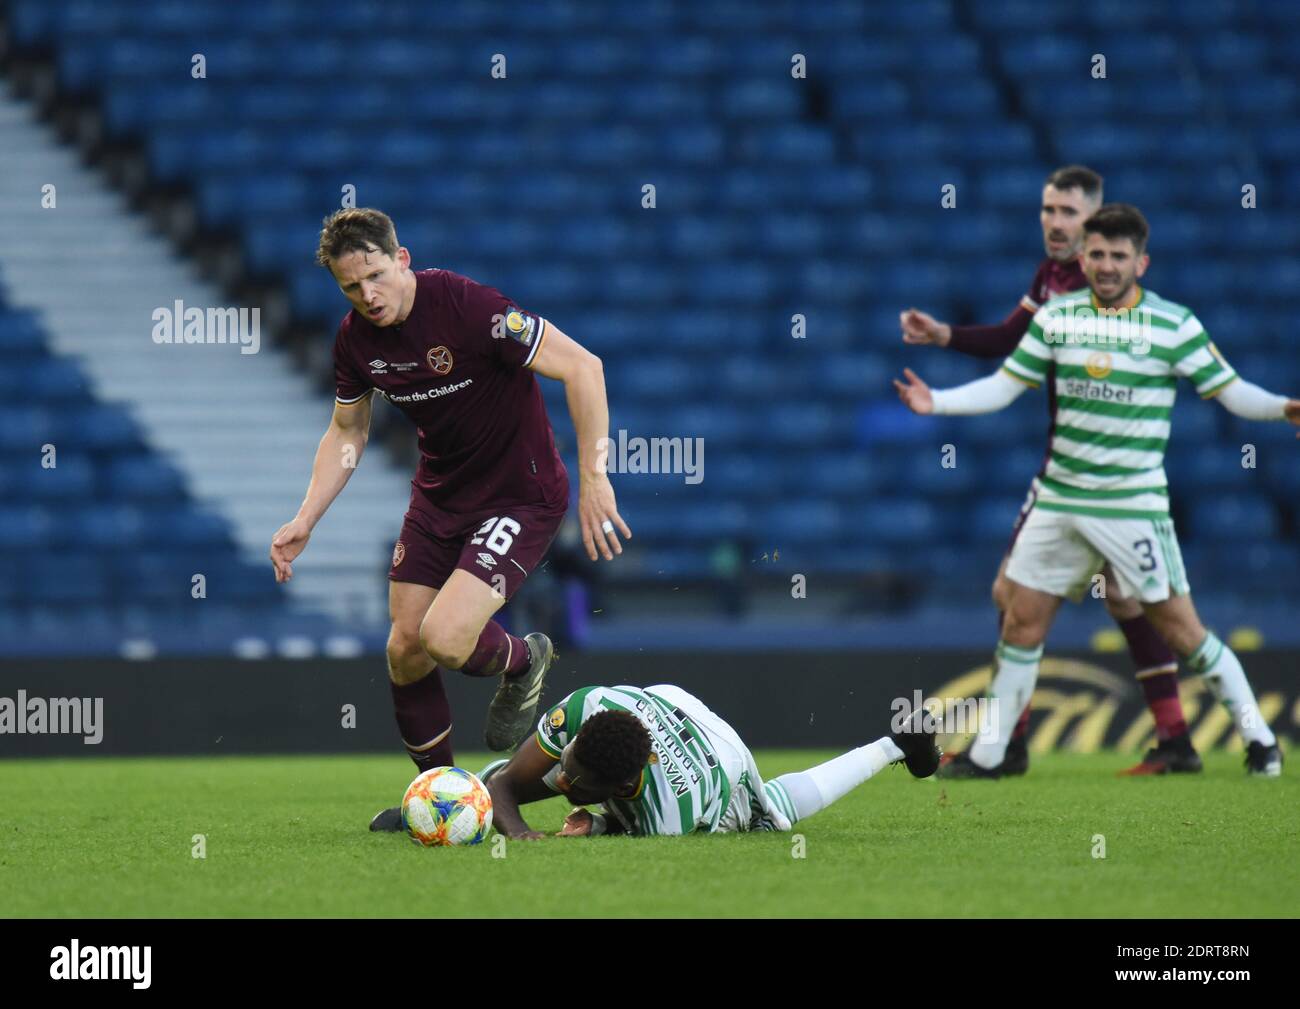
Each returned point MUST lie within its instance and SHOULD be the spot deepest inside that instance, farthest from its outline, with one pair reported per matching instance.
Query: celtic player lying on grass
(658, 761)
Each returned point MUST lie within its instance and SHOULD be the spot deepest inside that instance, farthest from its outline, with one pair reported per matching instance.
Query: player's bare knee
(407, 659)
(1000, 592)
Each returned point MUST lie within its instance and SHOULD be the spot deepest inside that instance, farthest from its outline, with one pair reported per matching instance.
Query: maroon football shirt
(457, 366)
(1050, 279)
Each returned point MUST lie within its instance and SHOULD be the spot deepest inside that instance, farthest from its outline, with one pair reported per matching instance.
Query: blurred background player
(1070, 196)
(1118, 352)
(658, 761)
(490, 492)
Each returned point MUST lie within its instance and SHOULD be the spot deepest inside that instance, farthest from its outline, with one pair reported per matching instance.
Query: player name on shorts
(420, 397)
(1084, 325)
(194, 325)
(75, 962)
(35, 716)
(652, 455)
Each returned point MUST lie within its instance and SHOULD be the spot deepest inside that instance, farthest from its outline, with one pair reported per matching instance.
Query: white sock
(1010, 691)
(1221, 670)
(803, 793)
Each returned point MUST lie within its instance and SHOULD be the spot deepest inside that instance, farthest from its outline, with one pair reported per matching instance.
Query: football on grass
(447, 806)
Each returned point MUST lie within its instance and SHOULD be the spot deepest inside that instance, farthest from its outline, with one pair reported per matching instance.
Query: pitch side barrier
(211, 706)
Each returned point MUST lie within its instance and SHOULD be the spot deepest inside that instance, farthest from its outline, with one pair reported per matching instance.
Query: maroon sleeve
(992, 341)
(349, 385)
(513, 335)
(1002, 339)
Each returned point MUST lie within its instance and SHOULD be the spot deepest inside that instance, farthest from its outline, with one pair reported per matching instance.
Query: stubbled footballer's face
(1112, 266)
(375, 283)
(1062, 215)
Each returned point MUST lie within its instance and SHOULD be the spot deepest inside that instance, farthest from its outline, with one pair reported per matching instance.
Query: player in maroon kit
(490, 491)
(1070, 196)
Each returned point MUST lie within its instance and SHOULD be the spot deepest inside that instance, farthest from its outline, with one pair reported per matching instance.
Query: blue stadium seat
(775, 197)
(899, 520)
(68, 577)
(1234, 517)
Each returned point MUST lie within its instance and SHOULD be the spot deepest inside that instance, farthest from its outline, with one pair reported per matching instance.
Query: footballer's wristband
(597, 825)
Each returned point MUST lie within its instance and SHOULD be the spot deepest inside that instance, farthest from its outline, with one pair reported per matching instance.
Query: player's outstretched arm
(1245, 399)
(984, 395)
(336, 459)
(565, 360)
(520, 781)
(976, 341)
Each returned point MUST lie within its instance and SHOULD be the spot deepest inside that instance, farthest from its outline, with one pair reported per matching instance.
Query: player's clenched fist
(288, 542)
(921, 327)
(576, 824)
(915, 393)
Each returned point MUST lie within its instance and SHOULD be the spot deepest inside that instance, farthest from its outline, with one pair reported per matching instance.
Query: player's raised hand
(922, 328)
(289, 541)
(598, 515)
(576, 824)
(1292, 412)
(915, 393)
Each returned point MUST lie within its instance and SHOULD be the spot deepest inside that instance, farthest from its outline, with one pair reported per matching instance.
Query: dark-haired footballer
(1070, 196)
(1114, 353)
(658, 761)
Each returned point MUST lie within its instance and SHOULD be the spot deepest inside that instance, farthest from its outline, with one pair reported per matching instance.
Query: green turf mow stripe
(1122, 410)
(1086, 437)
(1094, 494)
(1130, 379)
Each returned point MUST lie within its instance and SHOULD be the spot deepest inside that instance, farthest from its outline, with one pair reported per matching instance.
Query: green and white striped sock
(1010, 691)
(1221, 670)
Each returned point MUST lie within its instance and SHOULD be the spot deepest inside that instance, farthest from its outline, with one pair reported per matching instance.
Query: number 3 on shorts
(501, 538)
(1148, 557)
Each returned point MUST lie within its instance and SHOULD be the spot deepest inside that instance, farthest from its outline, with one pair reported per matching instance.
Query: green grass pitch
(286, 836)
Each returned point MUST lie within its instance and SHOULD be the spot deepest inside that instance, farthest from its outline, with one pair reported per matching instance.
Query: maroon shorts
(1025, 509)
(499, 548)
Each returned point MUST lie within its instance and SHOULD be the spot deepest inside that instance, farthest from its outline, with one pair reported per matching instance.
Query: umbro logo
(378, 367)
(487, 561)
